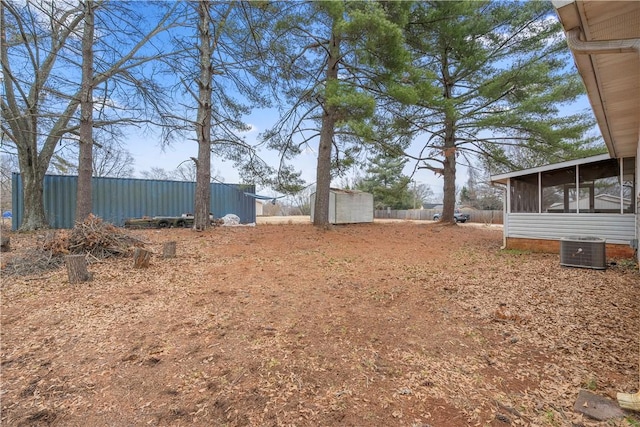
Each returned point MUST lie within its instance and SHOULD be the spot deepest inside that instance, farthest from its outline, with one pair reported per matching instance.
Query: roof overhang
(611, 77)
(503, 178)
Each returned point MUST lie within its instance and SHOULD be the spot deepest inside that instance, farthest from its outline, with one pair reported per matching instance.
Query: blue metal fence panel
(227, 199)
(60, 200)
(118, 199)
(16, 198)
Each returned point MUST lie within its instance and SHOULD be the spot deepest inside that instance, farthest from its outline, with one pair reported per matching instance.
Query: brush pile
(31, 261)
(100, 239)
(93, 237)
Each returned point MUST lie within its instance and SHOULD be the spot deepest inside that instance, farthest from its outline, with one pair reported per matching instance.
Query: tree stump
(141, 258)
(169, 250)
(5, 244)
(77, 269)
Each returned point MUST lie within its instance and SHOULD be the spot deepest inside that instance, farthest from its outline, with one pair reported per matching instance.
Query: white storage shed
(347, 206)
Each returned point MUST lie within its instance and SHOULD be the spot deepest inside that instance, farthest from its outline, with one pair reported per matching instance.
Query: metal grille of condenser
(585, 252)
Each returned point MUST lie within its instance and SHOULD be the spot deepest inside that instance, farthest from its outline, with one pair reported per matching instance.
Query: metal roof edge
(502, 178)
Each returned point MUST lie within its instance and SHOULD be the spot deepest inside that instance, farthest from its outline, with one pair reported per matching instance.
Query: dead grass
(365, 325)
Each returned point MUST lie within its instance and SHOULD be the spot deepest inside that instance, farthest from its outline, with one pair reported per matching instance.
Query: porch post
(539, 192)
(577, 195)
(637, 190)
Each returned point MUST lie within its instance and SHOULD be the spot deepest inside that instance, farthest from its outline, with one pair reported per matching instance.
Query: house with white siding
(596, 196)
(600, 203)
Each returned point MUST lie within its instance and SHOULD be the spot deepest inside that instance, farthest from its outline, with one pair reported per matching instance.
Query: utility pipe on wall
(604, 46)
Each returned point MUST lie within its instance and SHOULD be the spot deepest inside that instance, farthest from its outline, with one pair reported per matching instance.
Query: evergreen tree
(217, 86)
(333, 59)
(384, 179)
(500, 71)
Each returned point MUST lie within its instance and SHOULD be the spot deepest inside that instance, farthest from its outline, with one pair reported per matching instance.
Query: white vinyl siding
(614, 228)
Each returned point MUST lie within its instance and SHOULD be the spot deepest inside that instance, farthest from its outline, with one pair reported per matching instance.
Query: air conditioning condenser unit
(585, 252)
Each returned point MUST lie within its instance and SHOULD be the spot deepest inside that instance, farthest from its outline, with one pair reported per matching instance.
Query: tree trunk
(24, 133)
(169, 250)
(449, 173)
(77, 269)
(85, 158)
(5, 244)
(34, 217)
(141, 258)
(449, 152)
(203, 122)
(327, 132)
(203, 187)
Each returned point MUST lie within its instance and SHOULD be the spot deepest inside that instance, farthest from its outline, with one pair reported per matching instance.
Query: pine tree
(500, 74)
(386, 182)
(334, 60)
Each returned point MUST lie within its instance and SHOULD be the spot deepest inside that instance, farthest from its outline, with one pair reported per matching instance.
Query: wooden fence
(484, 217)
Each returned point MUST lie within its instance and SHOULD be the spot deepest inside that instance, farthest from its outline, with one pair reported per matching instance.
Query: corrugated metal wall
(118, 199)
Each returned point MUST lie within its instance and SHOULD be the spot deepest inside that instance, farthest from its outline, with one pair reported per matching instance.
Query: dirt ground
(383, 324)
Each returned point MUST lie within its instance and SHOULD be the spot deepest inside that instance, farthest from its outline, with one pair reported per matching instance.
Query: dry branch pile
(93, 237)
(101, 239)
(32, 261)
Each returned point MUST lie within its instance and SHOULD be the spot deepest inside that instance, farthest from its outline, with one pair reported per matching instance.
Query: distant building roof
(432, 205)
(601, 201)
